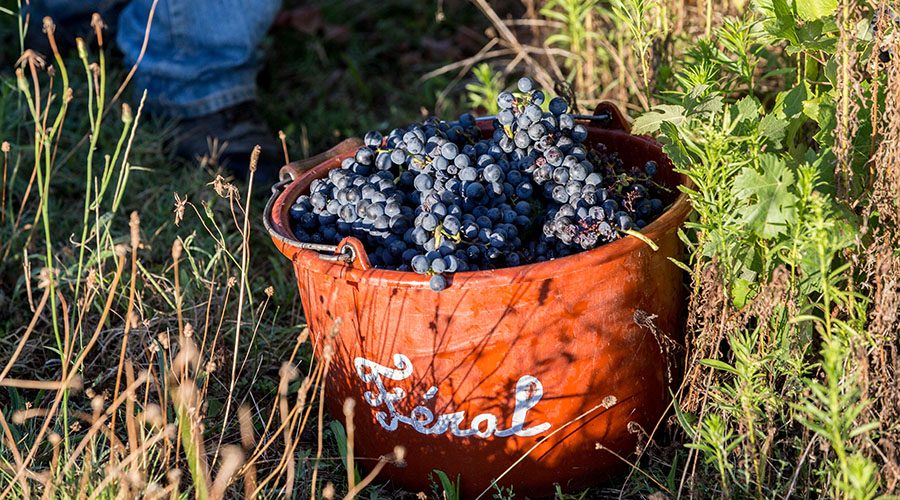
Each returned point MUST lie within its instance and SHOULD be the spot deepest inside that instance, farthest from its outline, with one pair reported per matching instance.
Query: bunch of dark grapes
(438, 198)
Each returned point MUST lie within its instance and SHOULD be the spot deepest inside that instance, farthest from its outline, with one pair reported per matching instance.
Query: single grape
(423, 182)
(373, 139)
(525, 84)
(365, 156)
(429, 222)
(437, 283)
(558, 106)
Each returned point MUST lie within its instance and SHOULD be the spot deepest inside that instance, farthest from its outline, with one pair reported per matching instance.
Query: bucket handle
(348, 250)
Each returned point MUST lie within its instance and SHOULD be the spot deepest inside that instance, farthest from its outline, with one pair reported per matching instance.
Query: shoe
(226, 139)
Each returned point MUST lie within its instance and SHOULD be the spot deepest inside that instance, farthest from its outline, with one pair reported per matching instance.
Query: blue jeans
(202, 55)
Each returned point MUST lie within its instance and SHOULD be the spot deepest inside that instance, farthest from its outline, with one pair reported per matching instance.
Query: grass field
(152, 340)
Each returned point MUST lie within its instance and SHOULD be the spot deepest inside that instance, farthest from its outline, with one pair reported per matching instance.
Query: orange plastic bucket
(544, 364)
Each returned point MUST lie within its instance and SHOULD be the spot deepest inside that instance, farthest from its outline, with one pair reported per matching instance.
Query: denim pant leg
(202, 55)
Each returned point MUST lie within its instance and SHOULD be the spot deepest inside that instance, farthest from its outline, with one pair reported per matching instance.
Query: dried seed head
(99, 26)
(328, 491)
(49, 26)
(45, 277)
(91, 280)
(135, 479)
(224, 188)
(173, 476)
(82, 49)
(20, 80)
(97, 404)
(151, 416)
(304, 335)
(270, 291)
(121, 250)
(349, 406)
(154, 490)
(254, 157)
(176, 249)
(232, 459)
(188, 357)
(97, 21)
(288, 372)
(185, 396)
(4, 147)
(188, 330)
(634, 427)
(135, 225)
(609, 401)
(127, 116)
(54, 438)
(179, 208)
(132, 319)
(32, 58)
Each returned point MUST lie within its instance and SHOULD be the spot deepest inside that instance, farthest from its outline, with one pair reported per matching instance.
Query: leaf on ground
(772, 204)
(650, 121)
(306, 19)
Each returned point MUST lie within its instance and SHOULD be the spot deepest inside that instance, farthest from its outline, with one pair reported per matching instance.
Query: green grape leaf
(813, 10)
(650, 121)
(790, 102)
(770, 204)
(673, 146)
(772, 128)
(747, 109)
(784, 25)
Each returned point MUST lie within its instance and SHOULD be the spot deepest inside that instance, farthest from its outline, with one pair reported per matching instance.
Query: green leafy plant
(634, 15)
(447, 490)
(771, 179)
(482, 94)
(574, 33)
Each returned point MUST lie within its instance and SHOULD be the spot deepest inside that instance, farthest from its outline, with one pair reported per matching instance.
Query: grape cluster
(438, 198)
